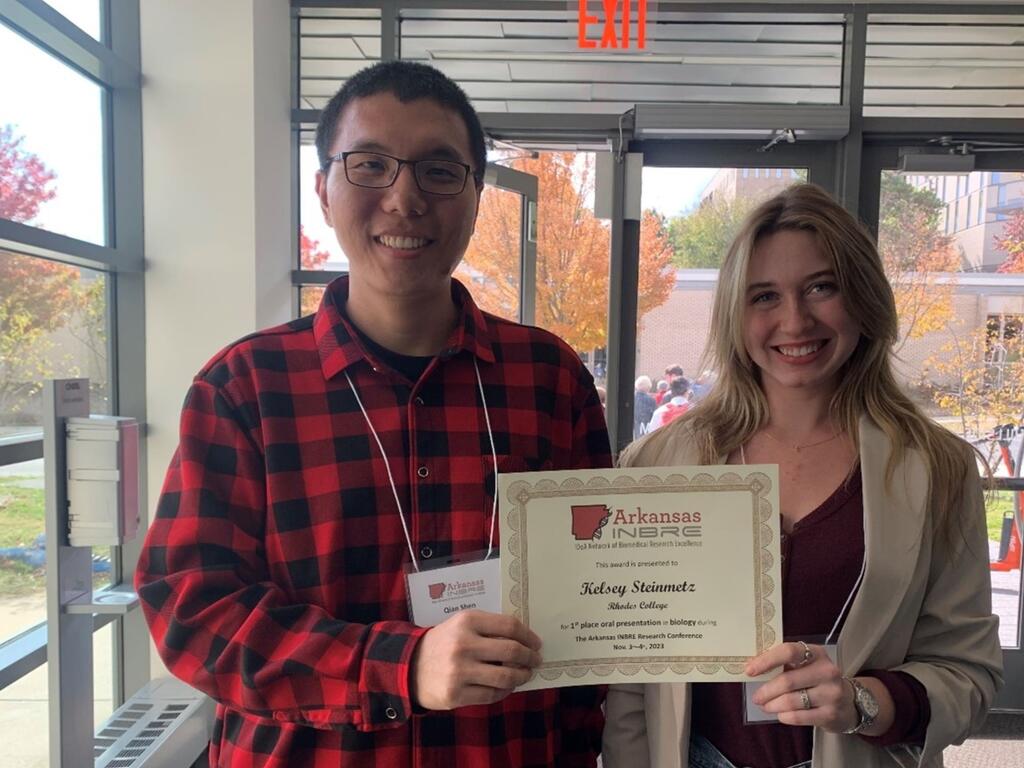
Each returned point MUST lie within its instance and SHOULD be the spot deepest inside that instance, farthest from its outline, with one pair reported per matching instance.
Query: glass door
(690, 216)
(953, 244)
(500, 266)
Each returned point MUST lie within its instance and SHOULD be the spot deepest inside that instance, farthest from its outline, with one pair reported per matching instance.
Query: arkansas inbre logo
(588, 520)
(436, 590)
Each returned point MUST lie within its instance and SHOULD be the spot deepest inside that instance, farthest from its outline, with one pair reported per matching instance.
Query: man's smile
(402, 242)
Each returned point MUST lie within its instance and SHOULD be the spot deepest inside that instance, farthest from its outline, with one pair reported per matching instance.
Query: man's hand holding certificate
(645, 575)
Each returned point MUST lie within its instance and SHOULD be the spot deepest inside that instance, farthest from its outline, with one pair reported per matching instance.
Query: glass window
(309, 298)
(24, 726)
(319, 247)
(51, 144)
(573, 249)
(85, 14)
(22, 548)
(54, 323)
(492, 267)
(103, 673)
(962, 365)
(690, 218)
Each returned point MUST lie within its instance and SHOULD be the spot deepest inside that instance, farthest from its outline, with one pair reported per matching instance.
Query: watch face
(866, 703)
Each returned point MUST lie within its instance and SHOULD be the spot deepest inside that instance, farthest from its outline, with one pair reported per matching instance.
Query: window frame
(113, 63)
(852, 175)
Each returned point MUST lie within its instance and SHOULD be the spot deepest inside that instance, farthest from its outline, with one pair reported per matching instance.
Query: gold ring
(805, 698)
(808, 655)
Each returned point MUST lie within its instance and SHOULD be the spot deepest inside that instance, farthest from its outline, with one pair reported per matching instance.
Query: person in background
(675, 406)
(884, 547)
(643, 405)
(700, 386)
(322, 458)
(671, 372)
(662, 390)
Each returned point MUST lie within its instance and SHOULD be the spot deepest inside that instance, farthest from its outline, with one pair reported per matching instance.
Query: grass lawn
(996, 504)
(21, 512)
(22, 519)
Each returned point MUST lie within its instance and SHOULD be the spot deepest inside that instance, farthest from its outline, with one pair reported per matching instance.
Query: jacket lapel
(893, 524)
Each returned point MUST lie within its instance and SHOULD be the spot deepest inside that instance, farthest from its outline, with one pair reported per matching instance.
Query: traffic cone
(1012, 559)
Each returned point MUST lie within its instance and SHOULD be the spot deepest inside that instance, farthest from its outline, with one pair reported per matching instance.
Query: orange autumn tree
(311, 256)
(572, 253)
(1011, 241)
(915, 251)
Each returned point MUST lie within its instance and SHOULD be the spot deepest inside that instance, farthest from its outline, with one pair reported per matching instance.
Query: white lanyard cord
(849, 599)
(391, 479)
(494, 456)
(387, 466)
(856, 584)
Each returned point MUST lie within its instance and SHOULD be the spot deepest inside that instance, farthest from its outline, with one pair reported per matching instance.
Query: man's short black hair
(679, 386)
(408, 81)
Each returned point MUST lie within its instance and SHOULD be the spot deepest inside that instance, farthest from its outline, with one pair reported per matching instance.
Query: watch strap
(863, 718)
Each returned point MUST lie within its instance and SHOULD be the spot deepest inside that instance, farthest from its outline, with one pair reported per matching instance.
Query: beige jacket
(918, 610)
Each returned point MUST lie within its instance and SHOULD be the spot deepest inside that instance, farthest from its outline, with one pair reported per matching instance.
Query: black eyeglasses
(377, 171)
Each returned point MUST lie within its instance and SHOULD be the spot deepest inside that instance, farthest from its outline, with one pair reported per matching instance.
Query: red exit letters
(614, 35)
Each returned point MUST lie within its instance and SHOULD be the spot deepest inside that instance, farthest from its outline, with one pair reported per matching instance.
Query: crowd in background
(656, 406)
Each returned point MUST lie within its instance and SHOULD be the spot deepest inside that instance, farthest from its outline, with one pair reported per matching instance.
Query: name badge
(453, 584)
(753, 714)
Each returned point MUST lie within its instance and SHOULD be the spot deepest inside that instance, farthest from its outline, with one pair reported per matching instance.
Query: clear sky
(57, 111)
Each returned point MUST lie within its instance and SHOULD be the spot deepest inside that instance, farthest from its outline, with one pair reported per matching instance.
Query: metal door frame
(526, 186)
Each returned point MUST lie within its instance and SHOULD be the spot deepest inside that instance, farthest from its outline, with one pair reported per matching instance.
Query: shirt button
(426, 552)
(390, 713)
(422, 471)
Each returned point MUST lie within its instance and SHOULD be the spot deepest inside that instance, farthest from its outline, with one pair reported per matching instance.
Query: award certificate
(651, 574)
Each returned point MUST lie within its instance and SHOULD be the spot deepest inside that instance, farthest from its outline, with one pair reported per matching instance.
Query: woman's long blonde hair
(736, 407)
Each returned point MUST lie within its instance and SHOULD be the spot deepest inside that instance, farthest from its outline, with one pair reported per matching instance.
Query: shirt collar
(339, 348)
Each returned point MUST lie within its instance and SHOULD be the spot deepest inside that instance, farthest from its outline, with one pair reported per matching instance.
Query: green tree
(701, 238)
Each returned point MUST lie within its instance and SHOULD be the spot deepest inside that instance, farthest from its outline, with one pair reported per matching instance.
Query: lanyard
(391, 479)
(856, 584)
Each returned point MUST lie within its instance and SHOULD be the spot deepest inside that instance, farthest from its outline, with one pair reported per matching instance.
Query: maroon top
(821, 559)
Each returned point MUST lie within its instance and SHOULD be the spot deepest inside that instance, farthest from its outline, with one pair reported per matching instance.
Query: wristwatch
(865, 703)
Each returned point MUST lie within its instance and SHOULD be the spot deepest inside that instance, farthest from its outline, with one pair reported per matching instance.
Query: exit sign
(613, 25)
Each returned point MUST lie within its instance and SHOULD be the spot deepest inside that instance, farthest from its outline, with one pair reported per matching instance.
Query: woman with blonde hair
(884, 547)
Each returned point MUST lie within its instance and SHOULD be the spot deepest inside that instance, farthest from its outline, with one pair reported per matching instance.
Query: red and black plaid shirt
(272, 576)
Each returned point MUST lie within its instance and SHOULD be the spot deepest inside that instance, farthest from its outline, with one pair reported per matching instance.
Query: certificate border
(757, 484)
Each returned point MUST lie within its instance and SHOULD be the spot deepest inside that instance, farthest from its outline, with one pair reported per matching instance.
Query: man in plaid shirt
(318, 458)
